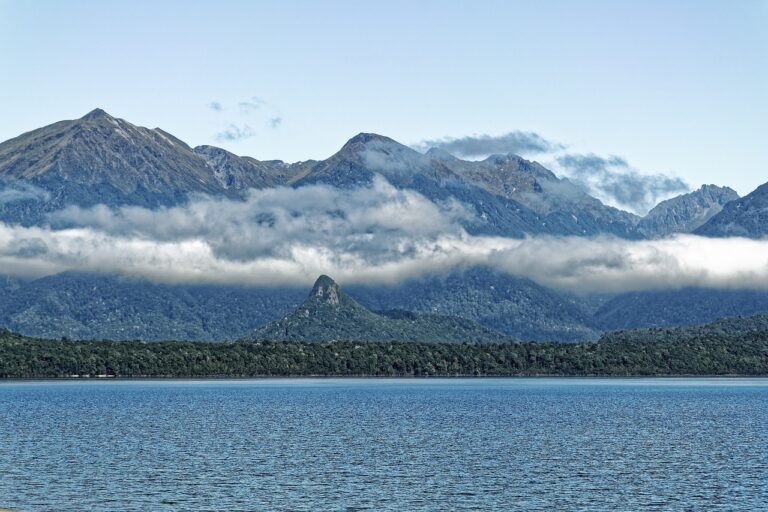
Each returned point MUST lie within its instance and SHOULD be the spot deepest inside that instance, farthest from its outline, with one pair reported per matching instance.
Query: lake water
(379, 444)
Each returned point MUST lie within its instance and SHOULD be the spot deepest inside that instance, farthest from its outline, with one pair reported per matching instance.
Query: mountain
(88, 306)
(685, 213)
(515, 306)
(668, 308)
(747, 217)
(234, 172)
(564, 206)
(510, 195)
(329, 314)
(102, 159)
(737, 327)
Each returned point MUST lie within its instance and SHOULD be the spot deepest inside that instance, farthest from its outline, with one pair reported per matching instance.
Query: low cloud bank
(373, 235)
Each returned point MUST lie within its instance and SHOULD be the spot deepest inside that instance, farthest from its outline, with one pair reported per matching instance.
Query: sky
(656, 87)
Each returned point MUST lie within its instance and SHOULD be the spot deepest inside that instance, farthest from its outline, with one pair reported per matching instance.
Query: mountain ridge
(101, 159)
(746, 216)
(687, 212)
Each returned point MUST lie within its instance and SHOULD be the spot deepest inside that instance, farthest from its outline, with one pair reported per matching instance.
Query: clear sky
(674, 87)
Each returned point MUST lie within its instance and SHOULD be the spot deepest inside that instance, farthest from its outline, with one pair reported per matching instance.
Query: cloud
(612, 180)
(605, 264)
(275, 122)
(21, 191)
(234, 133)
(376, 234)
(215, 106)
(248, 106)
(516, 142)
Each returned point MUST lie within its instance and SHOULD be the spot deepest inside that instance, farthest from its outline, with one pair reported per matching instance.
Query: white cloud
(378, 234)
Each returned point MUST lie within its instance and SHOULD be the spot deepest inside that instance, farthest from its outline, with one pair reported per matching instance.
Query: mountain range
(101, 159)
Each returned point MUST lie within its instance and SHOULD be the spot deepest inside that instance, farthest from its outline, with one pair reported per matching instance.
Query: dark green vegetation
(22, 357)
(514, 306)
(667, 308)
(725, 329)
(329, 314)
(86, 306)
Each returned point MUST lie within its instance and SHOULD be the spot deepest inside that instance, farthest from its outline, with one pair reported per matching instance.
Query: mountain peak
(365, 138)
(440, 154)
(687, 212)
(326, 290)
(502, 158)
(94, 114)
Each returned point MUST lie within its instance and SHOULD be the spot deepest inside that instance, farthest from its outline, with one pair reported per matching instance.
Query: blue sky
(679, 88)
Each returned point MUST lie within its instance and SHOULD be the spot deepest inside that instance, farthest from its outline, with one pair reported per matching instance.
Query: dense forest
(710, 354)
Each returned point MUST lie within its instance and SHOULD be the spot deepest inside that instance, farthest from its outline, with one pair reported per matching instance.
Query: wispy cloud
(235, 133)
(516, 142)
(613, 180)
(255, 110)
(15, 191)
(250, 105)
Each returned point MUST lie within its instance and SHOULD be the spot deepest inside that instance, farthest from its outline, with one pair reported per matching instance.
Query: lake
(385, 444)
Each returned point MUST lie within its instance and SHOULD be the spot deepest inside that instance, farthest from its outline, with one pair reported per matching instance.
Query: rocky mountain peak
(440, 155)
(687, 212)
(367, 138)
(96, 114)
(326, 291)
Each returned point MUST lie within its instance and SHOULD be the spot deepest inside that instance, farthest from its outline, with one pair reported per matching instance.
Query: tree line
(22, 357)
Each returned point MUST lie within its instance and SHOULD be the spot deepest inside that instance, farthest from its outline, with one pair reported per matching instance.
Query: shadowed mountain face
(515, 306)
(747, 217)
(686, 306)
(87, 306)
(687, 212)
(329, 314)
(725, 329)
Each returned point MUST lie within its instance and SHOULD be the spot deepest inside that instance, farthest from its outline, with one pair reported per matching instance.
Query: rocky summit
(687, 212)
(747, 217)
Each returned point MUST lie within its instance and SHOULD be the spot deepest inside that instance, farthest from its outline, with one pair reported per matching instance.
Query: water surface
(385, 444)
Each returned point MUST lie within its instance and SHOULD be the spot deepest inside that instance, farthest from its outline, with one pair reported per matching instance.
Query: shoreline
(380, 377)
